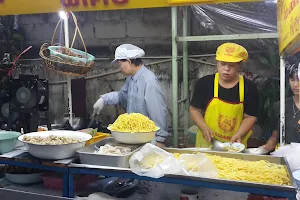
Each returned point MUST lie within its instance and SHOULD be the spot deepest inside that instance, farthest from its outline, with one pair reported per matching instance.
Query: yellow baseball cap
(231, 52)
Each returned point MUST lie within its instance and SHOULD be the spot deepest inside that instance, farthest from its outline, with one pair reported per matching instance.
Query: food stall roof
(8, 7)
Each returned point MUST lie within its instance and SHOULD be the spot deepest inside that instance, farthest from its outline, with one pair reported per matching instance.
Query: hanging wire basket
(67, 61)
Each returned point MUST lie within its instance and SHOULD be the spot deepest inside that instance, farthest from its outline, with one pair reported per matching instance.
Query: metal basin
(256, 151)
(56, 152)
(133, 138)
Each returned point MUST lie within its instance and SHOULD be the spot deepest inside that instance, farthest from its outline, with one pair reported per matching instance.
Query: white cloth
(128, 51)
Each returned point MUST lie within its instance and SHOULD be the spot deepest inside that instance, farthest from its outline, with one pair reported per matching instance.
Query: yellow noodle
(133, 123)
(231, 149)
(252, 171)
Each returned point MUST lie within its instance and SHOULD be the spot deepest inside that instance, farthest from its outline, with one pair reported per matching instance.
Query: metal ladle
(217, 145)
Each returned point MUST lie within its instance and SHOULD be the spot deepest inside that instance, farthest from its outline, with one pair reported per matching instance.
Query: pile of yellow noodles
(252, 171)
(133, 123)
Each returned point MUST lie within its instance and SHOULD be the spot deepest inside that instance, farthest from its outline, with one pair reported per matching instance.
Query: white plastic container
(296, 175)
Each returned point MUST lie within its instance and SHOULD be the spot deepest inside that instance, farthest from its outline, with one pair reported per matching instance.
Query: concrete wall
(103, 31)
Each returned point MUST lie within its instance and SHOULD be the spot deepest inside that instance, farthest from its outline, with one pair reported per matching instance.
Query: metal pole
(67, 45)
(282, 101)
(228, 37)
(185, 71)
(174, 77)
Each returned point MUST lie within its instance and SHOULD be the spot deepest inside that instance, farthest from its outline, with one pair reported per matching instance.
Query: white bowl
(56, 152)
(24, 178)
(238, 146)
(133, 138)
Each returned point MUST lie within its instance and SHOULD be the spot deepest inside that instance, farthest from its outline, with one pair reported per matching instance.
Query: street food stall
(120, 157)
(115, 157)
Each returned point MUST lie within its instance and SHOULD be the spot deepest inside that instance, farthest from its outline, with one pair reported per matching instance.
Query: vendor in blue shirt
(141, 92)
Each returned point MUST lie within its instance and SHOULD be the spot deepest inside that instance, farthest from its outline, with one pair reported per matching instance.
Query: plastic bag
(153, 162)
(197, 165)
(291, 153)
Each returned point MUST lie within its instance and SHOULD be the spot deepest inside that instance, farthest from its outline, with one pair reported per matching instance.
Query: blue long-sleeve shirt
(142, 94)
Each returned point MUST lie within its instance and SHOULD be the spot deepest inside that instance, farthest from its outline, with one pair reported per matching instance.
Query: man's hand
(160, 145)
(207, 134)
(236, 138)
(98, 106)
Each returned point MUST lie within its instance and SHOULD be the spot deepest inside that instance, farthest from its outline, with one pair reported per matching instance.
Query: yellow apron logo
(226, 123)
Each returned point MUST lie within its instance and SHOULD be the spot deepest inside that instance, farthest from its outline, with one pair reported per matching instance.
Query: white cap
(128, 51)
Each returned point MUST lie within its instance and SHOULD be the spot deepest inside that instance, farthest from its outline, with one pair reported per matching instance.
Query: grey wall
(103, 31)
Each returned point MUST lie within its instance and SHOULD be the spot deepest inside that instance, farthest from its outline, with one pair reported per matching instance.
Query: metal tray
(87, 155)
(249, 157)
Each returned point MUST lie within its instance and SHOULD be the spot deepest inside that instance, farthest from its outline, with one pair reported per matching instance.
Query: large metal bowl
(133, 138)
(256, 151)
(56, 152)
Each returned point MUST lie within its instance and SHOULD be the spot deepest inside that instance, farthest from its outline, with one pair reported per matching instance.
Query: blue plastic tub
(55, 51)
(8, 141)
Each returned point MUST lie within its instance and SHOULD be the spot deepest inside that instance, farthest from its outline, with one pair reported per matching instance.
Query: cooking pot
(53, 126)
(79, 123)
(75, 120)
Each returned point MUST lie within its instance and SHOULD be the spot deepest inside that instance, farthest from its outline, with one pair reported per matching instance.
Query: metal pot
(78, 123)
(53, 126)
(75, 120)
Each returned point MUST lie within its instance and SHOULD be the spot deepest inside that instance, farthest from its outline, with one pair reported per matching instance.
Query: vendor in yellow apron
(224, 118)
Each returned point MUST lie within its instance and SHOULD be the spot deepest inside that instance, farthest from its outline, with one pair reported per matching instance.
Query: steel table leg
(71, 185)
(66, 184)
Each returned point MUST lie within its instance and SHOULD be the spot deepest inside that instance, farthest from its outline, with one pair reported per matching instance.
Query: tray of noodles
(247, 170)
(133, 128)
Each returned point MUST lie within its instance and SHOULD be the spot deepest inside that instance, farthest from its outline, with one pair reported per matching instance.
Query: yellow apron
(224, 118)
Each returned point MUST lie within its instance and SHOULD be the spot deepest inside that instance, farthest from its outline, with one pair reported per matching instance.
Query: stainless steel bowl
(256, 151)
(133, 138)
(56, 152)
